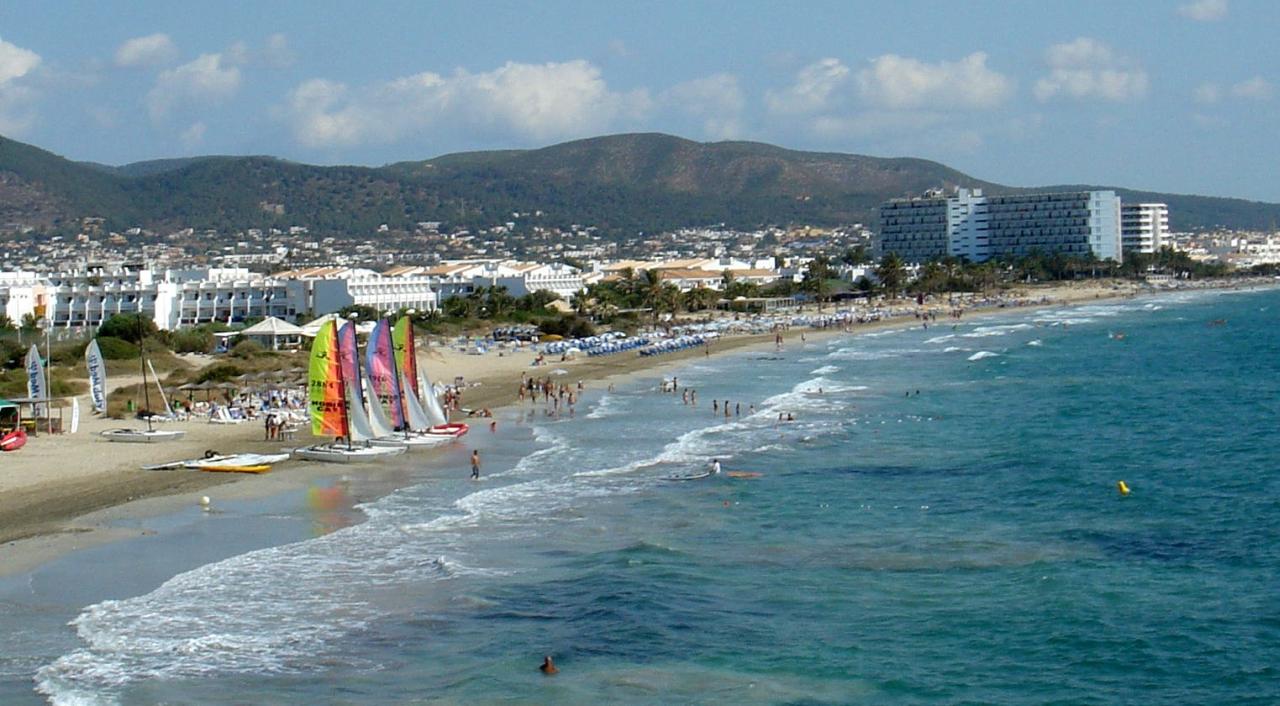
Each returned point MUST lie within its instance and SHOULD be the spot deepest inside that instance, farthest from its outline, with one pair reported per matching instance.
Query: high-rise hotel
(977, 227)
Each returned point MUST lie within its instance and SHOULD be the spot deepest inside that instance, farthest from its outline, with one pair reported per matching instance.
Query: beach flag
(97, 377)
(35, 380)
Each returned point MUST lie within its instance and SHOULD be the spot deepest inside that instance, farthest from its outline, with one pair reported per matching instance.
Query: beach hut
(312, 328)
(271, 332)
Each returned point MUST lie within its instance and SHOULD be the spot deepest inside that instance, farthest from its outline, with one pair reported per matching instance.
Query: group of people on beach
(553, 395)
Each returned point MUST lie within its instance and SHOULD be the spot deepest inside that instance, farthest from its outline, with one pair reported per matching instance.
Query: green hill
(621, 183)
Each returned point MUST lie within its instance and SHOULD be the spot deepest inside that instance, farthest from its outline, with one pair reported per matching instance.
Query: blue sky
(1173, 96)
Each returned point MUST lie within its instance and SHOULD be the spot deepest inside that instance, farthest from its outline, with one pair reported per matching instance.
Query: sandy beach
(53, 493)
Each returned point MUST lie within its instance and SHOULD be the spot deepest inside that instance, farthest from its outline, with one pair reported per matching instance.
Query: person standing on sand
(475, 464)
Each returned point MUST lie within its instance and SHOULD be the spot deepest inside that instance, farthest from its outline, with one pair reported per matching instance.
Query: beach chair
(223, 416)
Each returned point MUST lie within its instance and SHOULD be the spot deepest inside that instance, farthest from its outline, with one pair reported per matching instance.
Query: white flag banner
(35, 380)
(97, 377)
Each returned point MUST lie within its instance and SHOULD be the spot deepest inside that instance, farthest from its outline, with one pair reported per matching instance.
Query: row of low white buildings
(176, 298)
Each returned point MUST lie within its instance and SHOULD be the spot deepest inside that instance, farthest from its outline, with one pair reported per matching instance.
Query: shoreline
(40, 522)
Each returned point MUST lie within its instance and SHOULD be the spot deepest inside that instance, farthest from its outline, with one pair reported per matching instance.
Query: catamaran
(336, 406)
(384, 388)
(432, 419)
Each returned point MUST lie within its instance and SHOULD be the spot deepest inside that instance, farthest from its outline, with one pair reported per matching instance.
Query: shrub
(221, 372)
(247, 349)
(191, 341)
(127, 327)
(568, 325)
(113, 348)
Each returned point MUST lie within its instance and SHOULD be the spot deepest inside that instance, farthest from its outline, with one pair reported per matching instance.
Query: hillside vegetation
(623, 184)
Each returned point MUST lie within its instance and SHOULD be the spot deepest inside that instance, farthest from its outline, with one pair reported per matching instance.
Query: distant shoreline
(43, 520)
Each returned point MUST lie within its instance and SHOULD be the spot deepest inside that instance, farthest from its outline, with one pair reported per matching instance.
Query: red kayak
(456, 429)
(13, 441)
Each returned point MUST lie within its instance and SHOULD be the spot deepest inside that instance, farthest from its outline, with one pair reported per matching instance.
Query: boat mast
(342, 385)
(142, 357)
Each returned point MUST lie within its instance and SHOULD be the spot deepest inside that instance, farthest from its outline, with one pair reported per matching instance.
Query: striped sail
(358, 425)
(406, 356)
(382, 368)
(324, 383)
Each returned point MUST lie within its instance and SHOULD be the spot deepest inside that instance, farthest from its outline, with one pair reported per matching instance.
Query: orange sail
(325, 387)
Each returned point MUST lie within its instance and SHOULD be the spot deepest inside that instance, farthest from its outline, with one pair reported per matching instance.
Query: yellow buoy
(1122, 487)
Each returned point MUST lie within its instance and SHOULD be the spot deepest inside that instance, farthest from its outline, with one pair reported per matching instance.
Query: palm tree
(892, 273)
(815, 279)
(650, 291)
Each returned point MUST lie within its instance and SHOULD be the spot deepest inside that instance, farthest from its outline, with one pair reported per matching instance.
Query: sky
(1178, 96)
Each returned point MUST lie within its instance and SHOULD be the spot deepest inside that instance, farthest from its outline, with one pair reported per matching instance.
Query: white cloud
(716, 100)
(152, 50)
(540, 101)
(812, 90)
(898, 83)
(16, 100)
(1204, 10)
(1085, 69)
(1207, 93)
(277, 54)
(16, 62)
(193, 135)
(206, 80)
(1257, 88)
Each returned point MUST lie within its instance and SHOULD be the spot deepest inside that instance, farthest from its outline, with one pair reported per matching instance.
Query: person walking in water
(475, 464)
(715, 467)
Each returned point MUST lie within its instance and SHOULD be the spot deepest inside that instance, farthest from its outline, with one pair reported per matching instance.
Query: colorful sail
(35, 379)
(349, 354)
(325, 387)
(382, 372)
(406, 356)
(97, 377)
(358, 426)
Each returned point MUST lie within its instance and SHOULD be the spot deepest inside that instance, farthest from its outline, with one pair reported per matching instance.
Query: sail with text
(383, 377)
(97, 376)
(35, 380)
(326, 398)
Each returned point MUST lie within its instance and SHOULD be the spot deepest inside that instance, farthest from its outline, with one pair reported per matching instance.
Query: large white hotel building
(977, 227)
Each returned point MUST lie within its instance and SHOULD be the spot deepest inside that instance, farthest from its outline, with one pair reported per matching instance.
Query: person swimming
(548, 667)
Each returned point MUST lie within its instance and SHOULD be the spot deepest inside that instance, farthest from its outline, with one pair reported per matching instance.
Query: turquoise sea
(940, 525)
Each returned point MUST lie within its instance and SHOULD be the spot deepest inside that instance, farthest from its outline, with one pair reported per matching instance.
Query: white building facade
(978, 228)
(1144, 227)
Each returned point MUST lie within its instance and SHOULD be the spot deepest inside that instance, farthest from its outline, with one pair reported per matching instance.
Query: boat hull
(261, 468)
(142, 436)
(329, 453)
(410, 442)
(453, 430)
(13, 441)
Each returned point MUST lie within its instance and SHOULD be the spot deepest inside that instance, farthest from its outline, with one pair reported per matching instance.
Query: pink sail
(383, 376)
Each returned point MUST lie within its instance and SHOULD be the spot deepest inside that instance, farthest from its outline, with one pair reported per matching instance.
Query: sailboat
(432, 419)
(335, 403)
(150, 435)
(383, 378)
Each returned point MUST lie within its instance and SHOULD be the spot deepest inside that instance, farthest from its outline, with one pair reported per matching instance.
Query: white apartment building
(977, 227)
(462, 277)
(1144, 227)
